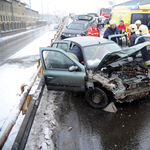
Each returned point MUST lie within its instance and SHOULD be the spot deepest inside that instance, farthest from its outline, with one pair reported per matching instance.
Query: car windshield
(94, 54)
(76, 26)
(105, 11)
(85, 17)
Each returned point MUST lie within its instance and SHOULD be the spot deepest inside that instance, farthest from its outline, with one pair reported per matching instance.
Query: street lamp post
(42, 10)
(48, 12)
(31, 14)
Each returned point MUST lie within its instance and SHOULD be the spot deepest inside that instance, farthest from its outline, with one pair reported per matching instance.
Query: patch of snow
(44, 123)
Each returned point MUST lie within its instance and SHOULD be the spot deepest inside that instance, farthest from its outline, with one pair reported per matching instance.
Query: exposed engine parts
(126, 80)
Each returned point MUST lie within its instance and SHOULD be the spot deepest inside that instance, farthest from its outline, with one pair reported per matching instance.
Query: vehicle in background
(94, 14)
(130, 14)
(57, 26)
(88, 18)
(71, 15)
(78, 28)
(104, 12)
(109, 74)
(75, 18)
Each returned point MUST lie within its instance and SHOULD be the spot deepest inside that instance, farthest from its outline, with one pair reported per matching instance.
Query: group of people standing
(137, 33)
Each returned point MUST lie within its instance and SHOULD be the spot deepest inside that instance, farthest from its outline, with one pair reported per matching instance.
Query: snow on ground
(44, 122)
(15, 71)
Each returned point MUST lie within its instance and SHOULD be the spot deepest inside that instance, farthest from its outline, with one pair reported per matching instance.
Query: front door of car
(61, 71)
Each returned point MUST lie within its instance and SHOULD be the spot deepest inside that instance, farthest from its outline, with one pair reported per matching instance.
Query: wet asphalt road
(82, 127)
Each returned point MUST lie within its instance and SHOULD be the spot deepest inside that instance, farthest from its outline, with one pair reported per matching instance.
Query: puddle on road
(96, 129)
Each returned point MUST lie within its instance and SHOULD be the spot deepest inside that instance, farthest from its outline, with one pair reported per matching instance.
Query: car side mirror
(73, 68)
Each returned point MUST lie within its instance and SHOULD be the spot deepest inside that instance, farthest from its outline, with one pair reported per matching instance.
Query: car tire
(97, 98)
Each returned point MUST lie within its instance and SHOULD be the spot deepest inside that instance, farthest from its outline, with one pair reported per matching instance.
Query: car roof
(79, 22)
(88, 40)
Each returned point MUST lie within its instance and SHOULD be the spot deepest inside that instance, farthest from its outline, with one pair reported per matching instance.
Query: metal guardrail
(6, 129)
(59, 31)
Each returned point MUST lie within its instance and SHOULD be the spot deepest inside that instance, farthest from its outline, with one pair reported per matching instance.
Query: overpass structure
(133, 2)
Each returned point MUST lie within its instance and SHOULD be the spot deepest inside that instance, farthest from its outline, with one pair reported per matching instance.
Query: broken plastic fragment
(111, 108)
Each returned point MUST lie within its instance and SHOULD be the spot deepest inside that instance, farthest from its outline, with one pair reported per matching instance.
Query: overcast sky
(70, 6)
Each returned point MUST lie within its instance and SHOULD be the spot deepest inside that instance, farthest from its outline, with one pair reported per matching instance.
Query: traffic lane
(12, 44)
(83, 127)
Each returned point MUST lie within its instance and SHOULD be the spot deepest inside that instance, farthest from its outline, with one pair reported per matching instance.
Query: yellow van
(129, 14)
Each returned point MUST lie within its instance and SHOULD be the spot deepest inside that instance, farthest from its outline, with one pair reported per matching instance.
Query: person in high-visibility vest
(122, 26)
(94, 31)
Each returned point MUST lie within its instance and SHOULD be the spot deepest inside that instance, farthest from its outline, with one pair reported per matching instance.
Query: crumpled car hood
(114, 56)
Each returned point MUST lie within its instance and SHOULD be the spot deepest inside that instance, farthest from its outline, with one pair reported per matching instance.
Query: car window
(106, 11)
(76, 26)
(54, 45)
(56, 60)
(94, 54)
(63, 46)
(145, 19)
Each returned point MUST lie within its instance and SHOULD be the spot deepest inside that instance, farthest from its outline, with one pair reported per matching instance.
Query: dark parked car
(78, 28)
(109, 74)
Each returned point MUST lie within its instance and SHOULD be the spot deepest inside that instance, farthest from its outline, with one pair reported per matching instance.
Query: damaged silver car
(108, 74)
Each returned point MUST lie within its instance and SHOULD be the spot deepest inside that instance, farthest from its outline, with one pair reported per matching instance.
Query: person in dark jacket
(77, 52)
(132, 29)
(112, 30)
(145, 50)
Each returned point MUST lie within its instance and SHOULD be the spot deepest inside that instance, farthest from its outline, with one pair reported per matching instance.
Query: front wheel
(97, 98)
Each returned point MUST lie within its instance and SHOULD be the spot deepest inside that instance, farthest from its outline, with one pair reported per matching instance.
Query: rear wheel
(97, 98)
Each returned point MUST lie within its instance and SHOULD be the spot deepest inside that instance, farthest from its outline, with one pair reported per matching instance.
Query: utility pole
(31, 14)
(48, 11)
(42, 8)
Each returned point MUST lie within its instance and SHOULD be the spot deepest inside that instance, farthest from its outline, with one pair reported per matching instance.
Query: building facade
(15, 15)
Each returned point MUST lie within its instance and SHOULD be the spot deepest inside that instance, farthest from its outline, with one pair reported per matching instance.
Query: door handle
(50, 77)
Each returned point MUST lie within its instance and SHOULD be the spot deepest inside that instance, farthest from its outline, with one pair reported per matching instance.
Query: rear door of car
(56, 64)
(64, 45)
